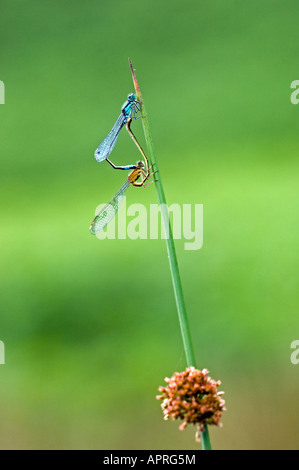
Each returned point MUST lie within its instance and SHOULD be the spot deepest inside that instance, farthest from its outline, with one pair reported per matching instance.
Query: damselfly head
(132, 97)
(140, 164)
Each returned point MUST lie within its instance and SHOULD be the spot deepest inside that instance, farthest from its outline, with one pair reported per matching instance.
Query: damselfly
(140, 170)
(129, 109)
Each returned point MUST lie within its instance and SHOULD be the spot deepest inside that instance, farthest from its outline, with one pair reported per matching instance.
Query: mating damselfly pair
(140, 170)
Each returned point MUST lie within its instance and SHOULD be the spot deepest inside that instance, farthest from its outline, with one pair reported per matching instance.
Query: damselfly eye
(132, 97)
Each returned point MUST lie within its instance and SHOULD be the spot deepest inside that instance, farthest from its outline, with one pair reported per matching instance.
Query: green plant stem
(174, 269)
(173, 263)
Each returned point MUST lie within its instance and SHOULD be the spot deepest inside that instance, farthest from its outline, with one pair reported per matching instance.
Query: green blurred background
(90, 327)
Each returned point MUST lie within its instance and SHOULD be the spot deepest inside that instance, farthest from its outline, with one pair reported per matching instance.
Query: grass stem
(174, 269)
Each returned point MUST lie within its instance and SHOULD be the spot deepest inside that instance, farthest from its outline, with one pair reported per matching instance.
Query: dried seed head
(192, 396)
